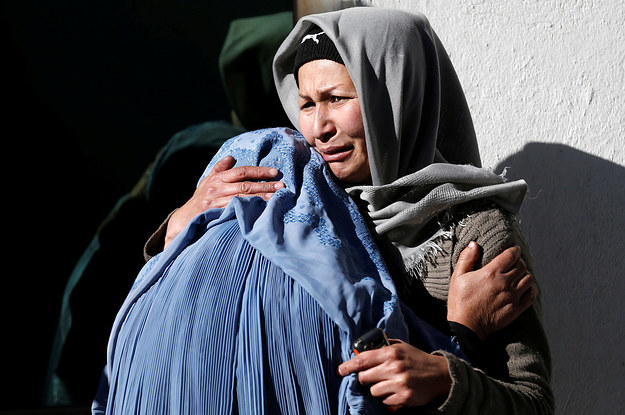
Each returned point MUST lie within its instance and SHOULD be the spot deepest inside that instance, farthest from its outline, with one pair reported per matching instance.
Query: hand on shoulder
(488, 299)
(219, 187)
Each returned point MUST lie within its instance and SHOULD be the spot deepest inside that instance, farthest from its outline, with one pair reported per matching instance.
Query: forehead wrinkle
(322, 91)
(316, 93)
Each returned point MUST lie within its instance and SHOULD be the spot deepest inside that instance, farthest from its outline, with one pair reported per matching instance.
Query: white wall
(545, 81)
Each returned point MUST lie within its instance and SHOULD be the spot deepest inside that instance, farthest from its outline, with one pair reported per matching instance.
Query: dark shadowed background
(91, 91)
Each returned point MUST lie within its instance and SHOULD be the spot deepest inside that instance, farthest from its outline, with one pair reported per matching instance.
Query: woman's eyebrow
(323, 91)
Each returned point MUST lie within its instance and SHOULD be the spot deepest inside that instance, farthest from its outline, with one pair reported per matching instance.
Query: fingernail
(278, 185)
(273, 171)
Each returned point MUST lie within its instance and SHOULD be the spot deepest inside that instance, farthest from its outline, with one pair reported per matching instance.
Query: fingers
(520, 285)
(518, 274)
(251, 188)
(514, 269)
(373, 365)
(374, 374)
(244, 178)
(528, 297)
(506, 260)
(526, 291)
(363, 361)
(243, 173)
(388, 392)
(466, 260)
(226, 181)
(222, 165)
(525, 283)
(227, 173)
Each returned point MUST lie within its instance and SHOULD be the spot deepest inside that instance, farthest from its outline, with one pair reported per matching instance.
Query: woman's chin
(347, 177)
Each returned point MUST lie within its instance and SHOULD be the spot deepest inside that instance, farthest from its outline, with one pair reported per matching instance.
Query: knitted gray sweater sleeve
(517, 380)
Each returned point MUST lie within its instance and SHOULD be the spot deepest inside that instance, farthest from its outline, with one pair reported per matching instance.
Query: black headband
(315, 46)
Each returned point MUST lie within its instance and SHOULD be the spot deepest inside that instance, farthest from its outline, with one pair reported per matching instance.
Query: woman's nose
(323, 127)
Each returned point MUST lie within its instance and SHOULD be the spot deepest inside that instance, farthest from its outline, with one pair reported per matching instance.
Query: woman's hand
(401, 374)
(490, 298)
(219, 187)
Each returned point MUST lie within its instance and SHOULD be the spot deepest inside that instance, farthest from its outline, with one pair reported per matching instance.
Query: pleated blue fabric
(252, 307)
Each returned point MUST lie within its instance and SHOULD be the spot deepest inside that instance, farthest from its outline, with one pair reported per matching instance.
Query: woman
(398, 71)
(394, 61)
(390, 140)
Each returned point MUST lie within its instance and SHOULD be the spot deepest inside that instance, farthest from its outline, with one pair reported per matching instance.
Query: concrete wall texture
(545, 81)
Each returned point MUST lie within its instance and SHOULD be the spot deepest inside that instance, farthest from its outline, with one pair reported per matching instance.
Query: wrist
(443, 381)
(470, 325)
(171, 228)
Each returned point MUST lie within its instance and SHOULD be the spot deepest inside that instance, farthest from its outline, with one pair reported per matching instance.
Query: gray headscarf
(420, 139)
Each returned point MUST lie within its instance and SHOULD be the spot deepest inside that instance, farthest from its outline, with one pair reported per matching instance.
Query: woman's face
(331, 121)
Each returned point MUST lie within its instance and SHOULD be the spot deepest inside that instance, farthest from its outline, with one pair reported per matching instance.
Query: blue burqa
(252, 307)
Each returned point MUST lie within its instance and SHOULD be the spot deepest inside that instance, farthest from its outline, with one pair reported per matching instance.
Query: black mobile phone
(373, 339)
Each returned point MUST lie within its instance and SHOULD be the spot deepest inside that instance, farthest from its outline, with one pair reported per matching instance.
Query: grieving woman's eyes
(306, 104)
(333, 99)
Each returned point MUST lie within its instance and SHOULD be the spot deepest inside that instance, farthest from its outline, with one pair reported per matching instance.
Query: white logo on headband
(313, 37)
